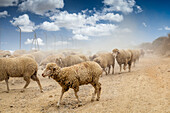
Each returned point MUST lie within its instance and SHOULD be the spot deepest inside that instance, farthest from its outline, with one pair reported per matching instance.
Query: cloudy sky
(85, 24)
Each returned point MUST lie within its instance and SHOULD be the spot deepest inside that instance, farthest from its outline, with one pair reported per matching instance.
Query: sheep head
(115, 52)
(51, 70)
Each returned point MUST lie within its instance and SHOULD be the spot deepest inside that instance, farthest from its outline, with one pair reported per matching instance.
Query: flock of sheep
(69, 68)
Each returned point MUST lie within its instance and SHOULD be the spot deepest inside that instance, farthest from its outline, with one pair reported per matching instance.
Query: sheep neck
(56, 76)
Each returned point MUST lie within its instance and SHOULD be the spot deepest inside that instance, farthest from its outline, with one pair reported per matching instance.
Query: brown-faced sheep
(50, 59)
(123, 57)
(19, 67)
(69, 61)
(72, 77)
(106, 60)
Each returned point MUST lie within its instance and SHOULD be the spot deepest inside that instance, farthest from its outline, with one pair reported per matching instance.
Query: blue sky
(84, 24)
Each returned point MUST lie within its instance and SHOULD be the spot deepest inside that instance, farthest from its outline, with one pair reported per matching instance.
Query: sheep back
(80, 74)
(17, 67)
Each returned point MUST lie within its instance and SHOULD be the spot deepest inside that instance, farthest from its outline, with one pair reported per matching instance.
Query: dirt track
(144, 90)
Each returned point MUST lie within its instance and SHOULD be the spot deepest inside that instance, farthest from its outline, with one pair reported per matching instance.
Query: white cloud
(112, 17)
(80, 37)
(41, 7)
(59, 43)
(5, 3)
(139, 9)
(4, 14)
(125, 6)
(24, 23)
(144, 24)
(29, 41)
(49, 26)
(69, 21)
(167, 28)
(97, 30)
(74, 21)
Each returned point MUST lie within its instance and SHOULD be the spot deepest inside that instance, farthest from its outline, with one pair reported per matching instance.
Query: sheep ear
(60, 60)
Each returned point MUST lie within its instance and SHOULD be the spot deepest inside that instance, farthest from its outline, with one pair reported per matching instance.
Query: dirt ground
(144, 90)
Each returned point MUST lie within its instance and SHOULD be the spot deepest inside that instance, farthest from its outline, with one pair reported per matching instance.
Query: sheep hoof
(42, 91)
(79, 104)
(92, 100)
(97, 99)
(22, 91)
(7, 91)
(58, 106)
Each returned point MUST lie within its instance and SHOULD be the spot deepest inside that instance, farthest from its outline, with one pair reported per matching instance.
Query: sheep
(135, 57)
(106, 60)
(84, 57)
(72, 77)
(19, 53)
(142, 52)
(28, 55)
(39, 55)
(50, 59)
(123, 57)
(19, 67)
(96, 55)
(68, 61)
(5, 53)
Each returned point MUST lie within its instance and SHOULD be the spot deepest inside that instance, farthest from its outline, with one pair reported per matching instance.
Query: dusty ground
(144, 90)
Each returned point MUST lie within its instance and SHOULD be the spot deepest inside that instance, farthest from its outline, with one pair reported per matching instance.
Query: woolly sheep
(106, 60)
(19, 53)
(136, 55)
(123, 57)
(38, 56)
(84, 57)
(96, 55)
(50, 59)
(29, 55)
(5, 53)
(19, 67)
(68, 61)
(72, 77)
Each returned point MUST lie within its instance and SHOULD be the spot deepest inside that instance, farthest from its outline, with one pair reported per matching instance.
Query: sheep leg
(109, 69)
(98, 91)
(130, 66)
(27, 79)
(35, 78)
(6, 80)
(75, 91)
(113, 66)
(93, 94)
(97, 87)
(105, 70)
(120, 65)
(62, 93)
(124, 67)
